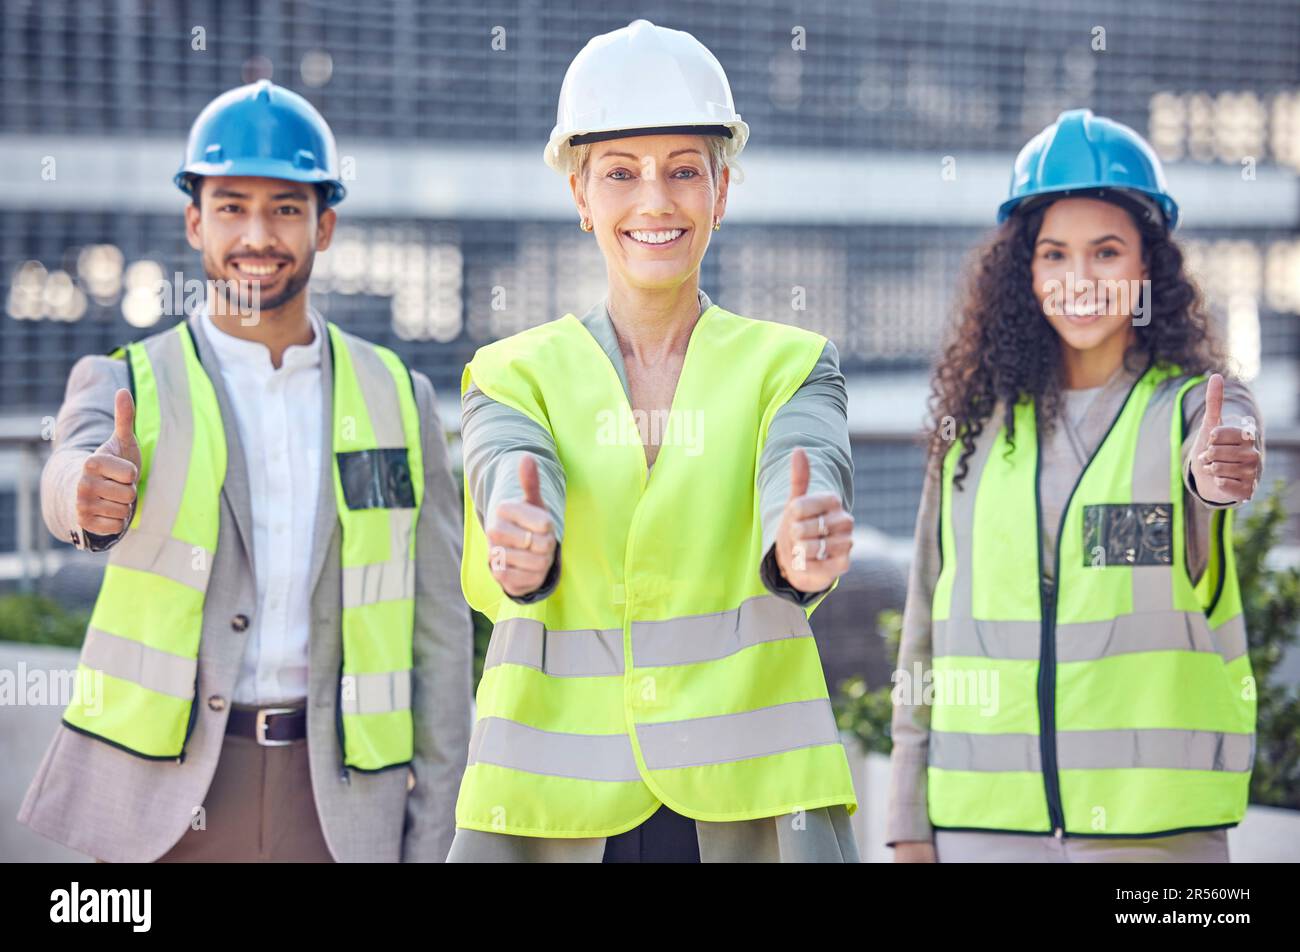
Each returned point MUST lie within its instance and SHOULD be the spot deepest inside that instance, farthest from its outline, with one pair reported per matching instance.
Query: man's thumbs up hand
(1225, 461)
(107, 488)
(816, 534)
(521, 536)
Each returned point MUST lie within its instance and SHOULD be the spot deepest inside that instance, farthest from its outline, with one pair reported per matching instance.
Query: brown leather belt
(269, 726)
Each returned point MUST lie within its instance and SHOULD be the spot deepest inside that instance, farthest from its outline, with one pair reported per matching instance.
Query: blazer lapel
(235, 486)
(326, 507)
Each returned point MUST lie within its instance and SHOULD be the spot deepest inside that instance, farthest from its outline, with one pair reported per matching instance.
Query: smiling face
(258, 235)
(652, 201)
(1087, 271)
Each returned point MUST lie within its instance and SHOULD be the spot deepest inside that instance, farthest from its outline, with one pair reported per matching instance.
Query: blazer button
(239, 622)
(217, 703)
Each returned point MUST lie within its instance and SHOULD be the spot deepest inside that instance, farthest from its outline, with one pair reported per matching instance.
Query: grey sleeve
(84, 423)
(816, 419)
(1238, 404)
(908, 817)
(493, 436)
(443, 651)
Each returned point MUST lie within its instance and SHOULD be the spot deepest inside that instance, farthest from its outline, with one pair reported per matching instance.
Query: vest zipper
(194, 712)
(1047, 706)
(344, 774)
(1047, 604)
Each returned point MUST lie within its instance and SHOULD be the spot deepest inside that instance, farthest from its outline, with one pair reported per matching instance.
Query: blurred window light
(316, 68)
(100, 270)
(27, 292)
(1244, 335)
(145, 285)
(63, 300)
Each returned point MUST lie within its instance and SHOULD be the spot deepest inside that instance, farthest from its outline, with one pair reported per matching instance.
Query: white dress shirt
(278, 413)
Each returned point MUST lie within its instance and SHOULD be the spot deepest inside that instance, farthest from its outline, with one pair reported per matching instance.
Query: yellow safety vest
(142, 645)
(1117, 702)
(660, 670)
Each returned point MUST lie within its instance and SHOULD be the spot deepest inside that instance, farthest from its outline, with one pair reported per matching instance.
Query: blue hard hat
(265, 130)
(1083, 153)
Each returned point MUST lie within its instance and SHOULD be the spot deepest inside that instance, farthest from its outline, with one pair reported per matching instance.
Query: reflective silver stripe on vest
(1154, 748)
(376, 693)
(141, 550)
(1153, 584)
(695, 638)
(727, 737)
(379, 390)
(962, 511)
(134, 661)
(582, 653)
(149, 546)
(395, 578)
(1231, 637)
(384, 581)
(1089, 641)
(506, 743)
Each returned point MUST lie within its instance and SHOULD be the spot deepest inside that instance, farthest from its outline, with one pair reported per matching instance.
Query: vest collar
(235, 486)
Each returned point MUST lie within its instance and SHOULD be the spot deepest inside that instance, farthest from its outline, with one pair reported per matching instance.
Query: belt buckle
(260, 730)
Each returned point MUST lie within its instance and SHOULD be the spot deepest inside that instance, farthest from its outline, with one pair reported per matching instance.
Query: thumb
(1213, 403)
(124, 419)
(798, 474)
(528, 480)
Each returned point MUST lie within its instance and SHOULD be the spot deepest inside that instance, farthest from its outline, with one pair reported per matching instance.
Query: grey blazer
(115, 806)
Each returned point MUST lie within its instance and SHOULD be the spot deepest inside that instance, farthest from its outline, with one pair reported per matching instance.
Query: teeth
(260, 271)
(655, 237)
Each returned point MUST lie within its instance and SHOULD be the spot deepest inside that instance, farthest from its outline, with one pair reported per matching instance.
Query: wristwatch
(94, 542)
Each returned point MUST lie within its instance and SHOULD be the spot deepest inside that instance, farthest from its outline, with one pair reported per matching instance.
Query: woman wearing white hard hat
(694, 467)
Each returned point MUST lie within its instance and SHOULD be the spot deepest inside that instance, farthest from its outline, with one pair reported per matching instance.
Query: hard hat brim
(1164, 203)
(736, 132)
(261, 168)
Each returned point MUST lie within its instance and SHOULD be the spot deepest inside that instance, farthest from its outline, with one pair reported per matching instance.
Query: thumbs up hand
(815, 536)
(521, 536)
(107, 488)
(1225, 461)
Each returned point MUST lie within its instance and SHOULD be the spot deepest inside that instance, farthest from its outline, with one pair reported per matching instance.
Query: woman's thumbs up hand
(816, 534)
(1225, 461)
(521, 536)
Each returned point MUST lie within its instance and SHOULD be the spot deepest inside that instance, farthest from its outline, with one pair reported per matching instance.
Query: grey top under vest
(815, 418)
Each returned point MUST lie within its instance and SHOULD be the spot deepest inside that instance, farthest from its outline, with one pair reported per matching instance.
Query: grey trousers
(973, 846)
(823, 835)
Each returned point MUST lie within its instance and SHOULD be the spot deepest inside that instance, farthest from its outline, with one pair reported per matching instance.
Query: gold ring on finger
(821, 549)
(528, 538)
(821, 526)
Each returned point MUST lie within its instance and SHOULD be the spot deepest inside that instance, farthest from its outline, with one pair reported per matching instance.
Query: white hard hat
(639, 80)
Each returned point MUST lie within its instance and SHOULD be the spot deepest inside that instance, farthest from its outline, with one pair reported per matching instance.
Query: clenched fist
(816, 534)
(106, 490)
(521, 537)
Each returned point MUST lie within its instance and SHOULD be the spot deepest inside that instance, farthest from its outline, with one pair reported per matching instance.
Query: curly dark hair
(1001, 348)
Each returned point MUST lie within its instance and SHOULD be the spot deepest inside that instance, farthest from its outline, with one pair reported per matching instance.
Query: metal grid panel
(918, 75)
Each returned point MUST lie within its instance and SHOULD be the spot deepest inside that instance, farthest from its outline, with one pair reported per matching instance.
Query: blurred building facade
(882, 139)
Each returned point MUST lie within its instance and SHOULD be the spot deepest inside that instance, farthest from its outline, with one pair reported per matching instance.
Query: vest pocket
(376, 479)
(1137, 533)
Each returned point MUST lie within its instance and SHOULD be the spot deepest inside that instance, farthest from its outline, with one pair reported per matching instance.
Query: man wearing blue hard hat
(278, 664)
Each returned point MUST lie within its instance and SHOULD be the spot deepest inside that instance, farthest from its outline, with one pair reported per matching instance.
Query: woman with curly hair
(1073, 680)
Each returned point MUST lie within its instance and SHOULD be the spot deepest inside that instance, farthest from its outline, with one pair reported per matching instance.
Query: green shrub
(38, 620)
